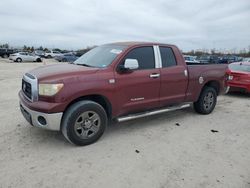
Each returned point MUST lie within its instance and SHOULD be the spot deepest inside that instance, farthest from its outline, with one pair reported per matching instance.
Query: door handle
(154, 75)
(185, 72)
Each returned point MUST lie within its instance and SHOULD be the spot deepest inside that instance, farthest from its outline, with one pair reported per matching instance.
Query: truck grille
(26, 87)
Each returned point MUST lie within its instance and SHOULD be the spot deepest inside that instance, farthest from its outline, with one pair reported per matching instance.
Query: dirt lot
(169, 150)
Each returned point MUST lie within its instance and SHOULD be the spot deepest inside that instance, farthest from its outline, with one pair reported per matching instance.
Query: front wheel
(84, 123)
(38, 60)
(19, 60)
(206, 101)
(64, 60)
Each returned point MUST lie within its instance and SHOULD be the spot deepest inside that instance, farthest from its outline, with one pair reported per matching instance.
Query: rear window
(167, 57)
(239, 67)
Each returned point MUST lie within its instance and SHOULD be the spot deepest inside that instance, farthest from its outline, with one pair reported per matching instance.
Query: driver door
(139, 89)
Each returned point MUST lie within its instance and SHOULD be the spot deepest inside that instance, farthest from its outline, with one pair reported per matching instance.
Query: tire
(49, 56)
(64, 60)
(207, 101)
(84, 123)
(5, 56)
(19, 60)
(38, 60)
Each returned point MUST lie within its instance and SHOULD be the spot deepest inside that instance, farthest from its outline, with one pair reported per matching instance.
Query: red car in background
(239, 76)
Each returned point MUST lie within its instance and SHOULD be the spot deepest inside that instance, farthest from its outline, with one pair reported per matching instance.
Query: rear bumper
(239, 86)
(42, 120)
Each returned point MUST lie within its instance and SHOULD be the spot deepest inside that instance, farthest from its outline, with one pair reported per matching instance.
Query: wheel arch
(19, 58)
(100, 99)
(214, 84)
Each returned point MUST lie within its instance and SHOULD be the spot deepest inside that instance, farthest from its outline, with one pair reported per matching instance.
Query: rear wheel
(5, 56)
(84, 123)
(206, 101)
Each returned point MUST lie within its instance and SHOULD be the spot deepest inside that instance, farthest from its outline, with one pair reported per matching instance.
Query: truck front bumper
(42, 120)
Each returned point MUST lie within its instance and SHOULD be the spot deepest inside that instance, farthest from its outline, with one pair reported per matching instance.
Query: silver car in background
(25, 56)
(190, 59)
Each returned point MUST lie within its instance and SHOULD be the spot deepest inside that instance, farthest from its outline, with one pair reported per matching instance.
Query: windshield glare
(100, 57)
(238, 67)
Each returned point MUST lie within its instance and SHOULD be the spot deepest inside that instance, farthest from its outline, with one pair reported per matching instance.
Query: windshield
(240, 67)
(101, 56)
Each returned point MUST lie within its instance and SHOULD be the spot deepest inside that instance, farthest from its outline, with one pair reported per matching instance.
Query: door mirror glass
(131, 64)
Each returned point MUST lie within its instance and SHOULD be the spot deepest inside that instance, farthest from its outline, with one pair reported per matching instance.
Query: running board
(150, 113)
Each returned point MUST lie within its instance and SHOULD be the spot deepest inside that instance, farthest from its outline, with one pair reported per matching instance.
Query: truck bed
(200, 72)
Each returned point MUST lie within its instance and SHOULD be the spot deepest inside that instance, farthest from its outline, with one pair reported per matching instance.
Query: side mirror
(131, 64)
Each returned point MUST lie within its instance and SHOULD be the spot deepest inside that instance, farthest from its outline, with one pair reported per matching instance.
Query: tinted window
(167, 57)
(144, 56)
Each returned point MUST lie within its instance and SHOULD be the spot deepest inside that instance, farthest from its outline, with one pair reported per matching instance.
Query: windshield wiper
(83, 64)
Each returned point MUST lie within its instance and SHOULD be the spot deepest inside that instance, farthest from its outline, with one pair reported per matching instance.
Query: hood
(61, 71)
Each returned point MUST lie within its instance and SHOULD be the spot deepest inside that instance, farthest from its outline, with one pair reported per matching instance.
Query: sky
(74, 24)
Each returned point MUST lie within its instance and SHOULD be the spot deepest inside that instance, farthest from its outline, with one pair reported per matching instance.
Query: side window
(144, 56)
(167, 57)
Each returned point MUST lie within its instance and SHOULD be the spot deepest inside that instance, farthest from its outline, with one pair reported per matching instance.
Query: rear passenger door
(139, 89)
(174, 78)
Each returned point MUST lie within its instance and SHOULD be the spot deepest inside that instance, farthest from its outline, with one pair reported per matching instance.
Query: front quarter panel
(81, 86)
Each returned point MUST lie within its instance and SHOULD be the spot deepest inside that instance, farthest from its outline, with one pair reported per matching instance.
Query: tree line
(241, 53)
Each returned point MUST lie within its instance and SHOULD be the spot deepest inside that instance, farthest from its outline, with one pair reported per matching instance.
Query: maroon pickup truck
(119, 81)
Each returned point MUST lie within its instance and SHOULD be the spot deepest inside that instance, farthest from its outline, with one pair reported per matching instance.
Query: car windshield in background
(240, 67)
(101, 56)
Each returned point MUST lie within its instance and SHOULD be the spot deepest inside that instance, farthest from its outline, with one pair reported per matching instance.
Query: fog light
(42, 120)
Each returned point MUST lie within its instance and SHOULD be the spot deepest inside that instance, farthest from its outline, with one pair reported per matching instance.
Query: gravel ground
(175, 149)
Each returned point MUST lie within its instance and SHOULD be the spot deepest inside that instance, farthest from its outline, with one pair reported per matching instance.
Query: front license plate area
(26, 114)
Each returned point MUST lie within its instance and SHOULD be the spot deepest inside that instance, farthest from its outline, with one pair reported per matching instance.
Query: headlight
(49, 89)
(230, 77)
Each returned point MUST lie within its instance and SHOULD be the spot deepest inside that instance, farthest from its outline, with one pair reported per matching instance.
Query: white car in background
(247, 59)
(25, 56)
(51, 53)
(190, 59)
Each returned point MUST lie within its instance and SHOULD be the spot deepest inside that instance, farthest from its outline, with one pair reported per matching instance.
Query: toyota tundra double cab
(118, 81)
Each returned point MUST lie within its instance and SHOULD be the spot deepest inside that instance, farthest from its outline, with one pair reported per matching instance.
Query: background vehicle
(50, 54)
(25, 56)
(208, 59)
(190, 59)
(120, 81)
(5, 53)
(239, 76)
(247, 59)
(39, 53)
(230, 59)
(67, 57)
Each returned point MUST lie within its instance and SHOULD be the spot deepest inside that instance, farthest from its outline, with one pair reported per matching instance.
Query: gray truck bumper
(40, 119)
